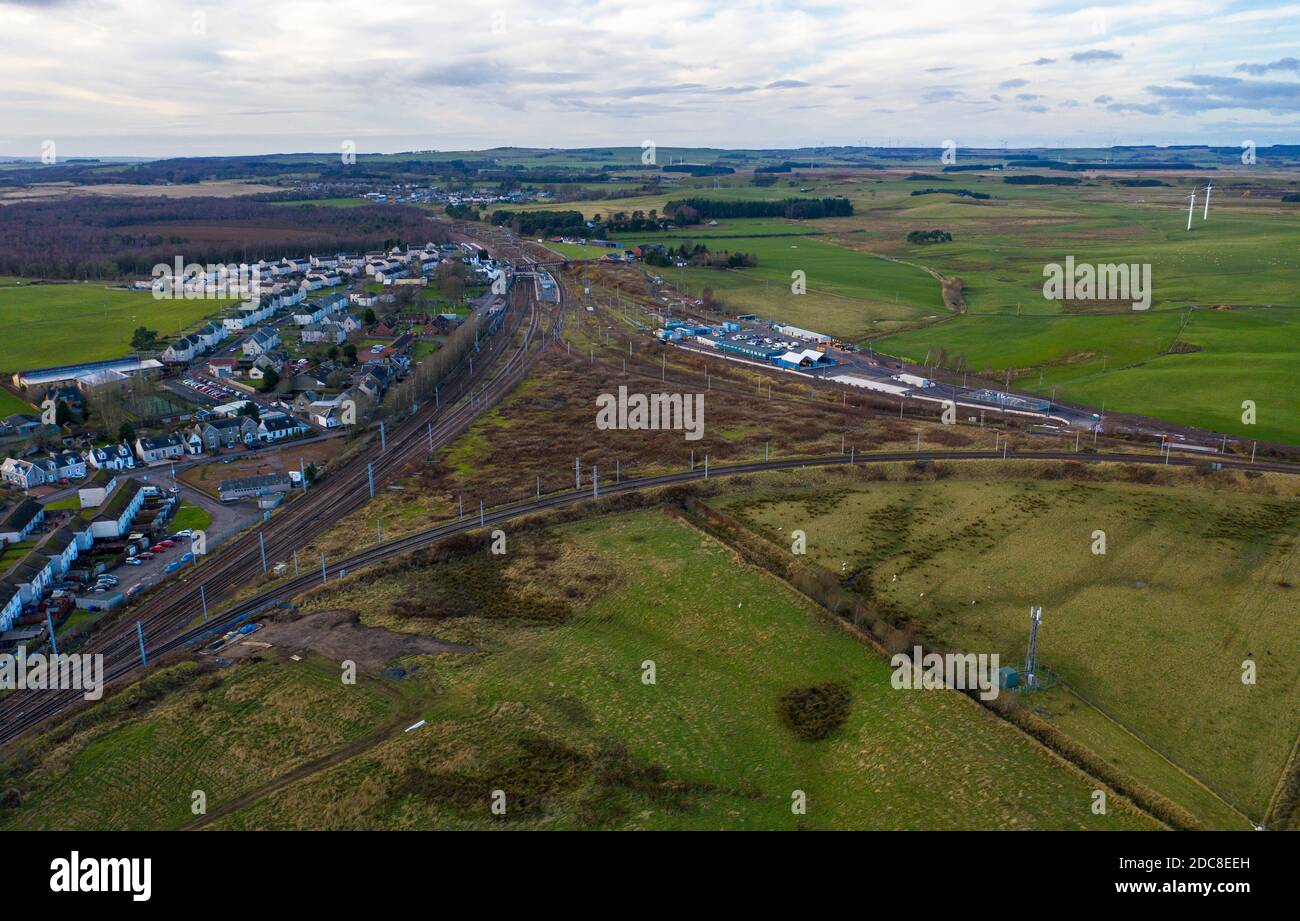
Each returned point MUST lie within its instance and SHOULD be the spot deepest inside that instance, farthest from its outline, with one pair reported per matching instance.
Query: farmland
(55, 324)
(1221, 328)
(1194, 581)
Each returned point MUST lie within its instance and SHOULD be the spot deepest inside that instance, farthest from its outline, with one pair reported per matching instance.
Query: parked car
(147, 555)
(157, 548)
(186, 557)
(135, 562)
(172, 566)
(168, 543)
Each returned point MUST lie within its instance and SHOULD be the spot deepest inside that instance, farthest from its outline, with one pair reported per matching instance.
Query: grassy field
(136, 759)
(1125, 362)
(190, 516)
(1194, 581)
(555, 714)
(56, 324)
(10, 404)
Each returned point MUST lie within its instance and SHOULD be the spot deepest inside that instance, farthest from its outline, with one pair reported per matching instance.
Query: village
(132, 458)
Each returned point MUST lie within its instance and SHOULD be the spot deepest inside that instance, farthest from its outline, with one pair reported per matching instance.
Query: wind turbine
(1191, 206)
(1206, 215)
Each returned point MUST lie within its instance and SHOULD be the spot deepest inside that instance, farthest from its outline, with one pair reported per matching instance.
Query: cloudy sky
(159, 78)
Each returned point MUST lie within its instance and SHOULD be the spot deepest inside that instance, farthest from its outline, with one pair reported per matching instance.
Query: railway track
(167, 612)
(123, 666)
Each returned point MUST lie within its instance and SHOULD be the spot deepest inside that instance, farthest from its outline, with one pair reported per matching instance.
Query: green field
(189, 517)
(135, 760)
(556, 715)
(57, 324)
(1125, 362)
(10, 404)
(1245, 257)
(1194, 581)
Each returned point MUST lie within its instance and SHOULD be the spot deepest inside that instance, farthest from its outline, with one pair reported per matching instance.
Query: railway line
(166, 613)
(123, 666)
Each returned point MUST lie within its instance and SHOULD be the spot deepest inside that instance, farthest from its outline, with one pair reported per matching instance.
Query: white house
(325, 413)
(182, 350)
(69, 465)
(116, 515)
(278, 427)
(11, 604)
(21, 520)
(261, 342)
(159, 448)
(111, 457)
(93, 493)
(22, 473)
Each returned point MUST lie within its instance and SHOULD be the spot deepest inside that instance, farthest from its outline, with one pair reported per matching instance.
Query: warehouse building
(252, 486)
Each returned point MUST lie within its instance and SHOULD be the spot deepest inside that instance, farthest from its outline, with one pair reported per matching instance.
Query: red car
(167, 543)
(144, 556)
(157, 548)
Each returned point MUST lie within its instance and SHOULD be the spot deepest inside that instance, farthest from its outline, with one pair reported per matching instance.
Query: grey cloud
(1207, 92)
(1097, 54)
(1261, 69)
(786, 84)
(1012, 84)
(1043, 62)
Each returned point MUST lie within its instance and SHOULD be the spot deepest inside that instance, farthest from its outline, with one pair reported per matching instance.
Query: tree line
(115, 238)
(695, 210)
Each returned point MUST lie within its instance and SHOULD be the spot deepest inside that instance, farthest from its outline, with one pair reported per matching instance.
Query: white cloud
(135, 77)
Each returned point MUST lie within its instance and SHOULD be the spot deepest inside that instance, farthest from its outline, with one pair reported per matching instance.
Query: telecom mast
(1035, 618)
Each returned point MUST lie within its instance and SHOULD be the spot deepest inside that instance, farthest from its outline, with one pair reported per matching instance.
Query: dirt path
(403, 715)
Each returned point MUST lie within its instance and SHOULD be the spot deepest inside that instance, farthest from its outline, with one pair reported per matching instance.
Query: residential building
(20, 520)
(115, 515)
(111, 457)
(159, 449)
(22, 473)
(278, 427)
(262, 341)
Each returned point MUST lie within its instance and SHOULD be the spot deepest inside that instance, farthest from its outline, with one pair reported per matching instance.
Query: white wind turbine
(1191, 206)
(1206, 215)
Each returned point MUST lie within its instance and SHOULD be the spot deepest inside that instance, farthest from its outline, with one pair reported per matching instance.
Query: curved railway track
(38, 712)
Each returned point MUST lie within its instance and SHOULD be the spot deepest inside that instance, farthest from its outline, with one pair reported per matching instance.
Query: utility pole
(139, 632)
(261, 542)
(323, 576)
(370, 476)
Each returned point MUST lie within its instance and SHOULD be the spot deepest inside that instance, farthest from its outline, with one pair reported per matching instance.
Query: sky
(159, 78)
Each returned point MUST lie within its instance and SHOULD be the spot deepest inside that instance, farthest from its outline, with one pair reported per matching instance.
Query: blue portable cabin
(762, 353)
